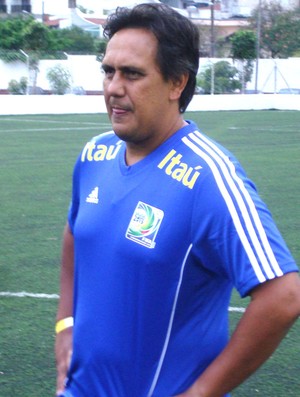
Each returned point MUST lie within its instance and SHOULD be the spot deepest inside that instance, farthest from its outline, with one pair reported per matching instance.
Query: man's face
(139, 101)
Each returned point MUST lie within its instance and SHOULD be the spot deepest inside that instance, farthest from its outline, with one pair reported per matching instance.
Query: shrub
(18, 87)
(225, 78)
(59, 79)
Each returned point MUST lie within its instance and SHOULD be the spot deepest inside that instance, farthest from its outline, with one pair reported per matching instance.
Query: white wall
(273, 74)
(72, 104)
(86, 72)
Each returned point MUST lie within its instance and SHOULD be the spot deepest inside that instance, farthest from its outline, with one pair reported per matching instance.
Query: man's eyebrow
(129, 68)
(106, 66)
(123, 69)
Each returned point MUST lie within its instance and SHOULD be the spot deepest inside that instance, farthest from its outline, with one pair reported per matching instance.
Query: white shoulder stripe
(253, 211)
(231, 208)
(225, 172)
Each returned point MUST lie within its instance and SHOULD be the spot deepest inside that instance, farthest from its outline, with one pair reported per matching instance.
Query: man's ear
(178, 86)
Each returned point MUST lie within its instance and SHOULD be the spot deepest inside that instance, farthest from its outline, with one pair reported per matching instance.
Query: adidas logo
(93, 196)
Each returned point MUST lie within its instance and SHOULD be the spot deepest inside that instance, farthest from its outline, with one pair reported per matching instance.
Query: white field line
(291, 126)
(24, 294)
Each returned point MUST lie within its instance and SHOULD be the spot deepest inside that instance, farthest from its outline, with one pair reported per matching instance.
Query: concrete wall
(72, 104)
(86, 72)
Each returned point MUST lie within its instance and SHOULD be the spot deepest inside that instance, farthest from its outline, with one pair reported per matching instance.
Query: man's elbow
(293, 304)
(289, 297)
(280, 297)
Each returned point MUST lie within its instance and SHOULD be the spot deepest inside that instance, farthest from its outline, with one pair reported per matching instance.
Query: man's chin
(125, 131)
(122, 133)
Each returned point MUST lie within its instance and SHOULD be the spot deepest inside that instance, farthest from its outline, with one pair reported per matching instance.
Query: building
(220, 18)
(11, 7)
(228, 8)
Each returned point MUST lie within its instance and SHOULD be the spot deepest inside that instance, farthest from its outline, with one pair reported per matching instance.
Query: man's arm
(274, 307)
(63, 343)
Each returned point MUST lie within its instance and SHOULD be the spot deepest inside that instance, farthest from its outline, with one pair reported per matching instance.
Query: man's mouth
(118, 111)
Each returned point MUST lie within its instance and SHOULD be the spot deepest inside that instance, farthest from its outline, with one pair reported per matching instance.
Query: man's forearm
(65, 307)
(63, 342)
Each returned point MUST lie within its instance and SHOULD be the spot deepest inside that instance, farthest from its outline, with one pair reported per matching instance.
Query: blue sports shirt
(159, 246)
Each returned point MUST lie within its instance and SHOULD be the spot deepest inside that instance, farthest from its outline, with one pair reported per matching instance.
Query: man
(163, 224)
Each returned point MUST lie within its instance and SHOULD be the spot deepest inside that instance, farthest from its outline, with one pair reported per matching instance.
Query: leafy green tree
(36, 37)
(59, 79)
(243, 44)
(72, 40)
(225, 77)
(100, 47)
(20, 33)
(280, 29)
(243, 49)
(12, 32)
(26, 33)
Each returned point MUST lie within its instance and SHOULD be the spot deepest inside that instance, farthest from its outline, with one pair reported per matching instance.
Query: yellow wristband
(64, 324)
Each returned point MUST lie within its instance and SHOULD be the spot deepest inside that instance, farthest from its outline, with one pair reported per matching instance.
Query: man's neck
(137, 151)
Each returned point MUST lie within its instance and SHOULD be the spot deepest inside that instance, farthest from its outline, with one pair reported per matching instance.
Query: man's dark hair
(177, 36)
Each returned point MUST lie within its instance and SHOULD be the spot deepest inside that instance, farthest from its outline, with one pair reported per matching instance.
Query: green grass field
(37, 155)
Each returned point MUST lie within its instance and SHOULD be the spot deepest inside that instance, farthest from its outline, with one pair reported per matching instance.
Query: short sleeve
(235, 235)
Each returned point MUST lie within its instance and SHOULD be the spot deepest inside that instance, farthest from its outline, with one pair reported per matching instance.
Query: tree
(280, 29)
(100, 47)
(23, 33)
(225, 76)
(72, 40)
(12, 32)
(243, 44)
(24, 39)
(36, 37)
(59, 79)
(33, 69)
(26, 33)
(243, 49)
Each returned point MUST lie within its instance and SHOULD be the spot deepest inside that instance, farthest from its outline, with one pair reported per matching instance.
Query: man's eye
(108, 71)
(133, 74)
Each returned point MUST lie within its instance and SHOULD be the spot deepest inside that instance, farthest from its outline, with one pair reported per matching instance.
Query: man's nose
(115, 85)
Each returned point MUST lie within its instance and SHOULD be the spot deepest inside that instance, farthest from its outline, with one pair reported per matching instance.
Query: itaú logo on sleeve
(178, 170)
